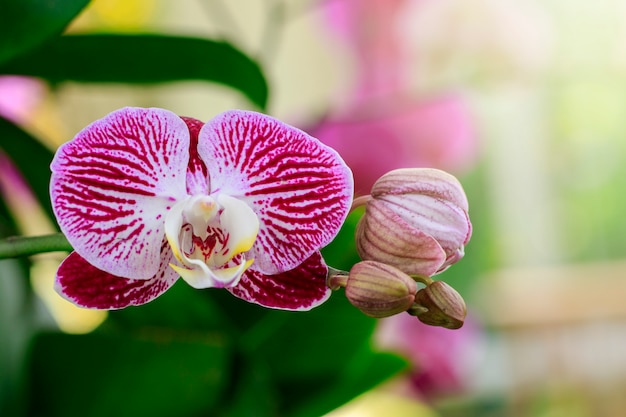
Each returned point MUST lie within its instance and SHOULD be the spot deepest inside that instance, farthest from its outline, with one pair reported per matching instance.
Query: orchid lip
(209, 235)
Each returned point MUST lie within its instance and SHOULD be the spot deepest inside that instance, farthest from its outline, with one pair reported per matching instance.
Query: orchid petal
(113, 184)
(299, 188)
(197, 175)
(299, 289)
(81, 283)
(242, 223)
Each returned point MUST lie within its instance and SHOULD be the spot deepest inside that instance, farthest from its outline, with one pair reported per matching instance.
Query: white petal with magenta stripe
(299, 188)
(112, 186)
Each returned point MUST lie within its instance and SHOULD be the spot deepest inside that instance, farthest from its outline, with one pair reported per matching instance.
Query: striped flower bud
(380, 290)
(416, 219)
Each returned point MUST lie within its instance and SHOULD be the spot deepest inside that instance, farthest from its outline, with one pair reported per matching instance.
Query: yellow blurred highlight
(379, 402)
(71, 319)
(115, 16)
(31, 220)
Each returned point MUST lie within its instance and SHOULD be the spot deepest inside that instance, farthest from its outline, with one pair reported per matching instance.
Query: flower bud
(440, 305)
(380, 290)
(416, 220)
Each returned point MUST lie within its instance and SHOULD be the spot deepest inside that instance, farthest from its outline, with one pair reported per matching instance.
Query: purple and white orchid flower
(243, 202)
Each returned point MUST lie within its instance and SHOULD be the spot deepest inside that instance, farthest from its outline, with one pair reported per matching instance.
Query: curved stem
(423, 279)
(360, 201)
(336, 278)
(17, 246)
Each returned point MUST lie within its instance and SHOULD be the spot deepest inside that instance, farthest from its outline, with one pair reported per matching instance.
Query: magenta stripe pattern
(299, 289)
(112, 186)
(87, 286)
(300, 189)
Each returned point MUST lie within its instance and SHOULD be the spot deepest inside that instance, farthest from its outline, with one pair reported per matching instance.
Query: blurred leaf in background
(142, 59)
(27, 24)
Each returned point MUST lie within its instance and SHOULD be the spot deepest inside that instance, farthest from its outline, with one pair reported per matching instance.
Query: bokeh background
(523, 100)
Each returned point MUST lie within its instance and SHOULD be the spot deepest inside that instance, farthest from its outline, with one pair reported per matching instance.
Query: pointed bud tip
(440, 305)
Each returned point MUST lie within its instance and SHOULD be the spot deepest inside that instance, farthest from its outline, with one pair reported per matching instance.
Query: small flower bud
(380, 290)
(440, 305)
(416, 220)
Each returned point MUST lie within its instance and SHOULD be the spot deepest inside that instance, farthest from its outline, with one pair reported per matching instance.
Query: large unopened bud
(440, 305)
(416, 219)
(380, 290)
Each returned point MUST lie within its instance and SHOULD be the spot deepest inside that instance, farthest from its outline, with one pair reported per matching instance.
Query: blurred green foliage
(188, 353)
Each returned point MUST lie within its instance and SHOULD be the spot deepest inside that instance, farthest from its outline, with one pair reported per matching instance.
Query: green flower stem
(424, 280)
(360, 201)
(336, 278)
(17, 246)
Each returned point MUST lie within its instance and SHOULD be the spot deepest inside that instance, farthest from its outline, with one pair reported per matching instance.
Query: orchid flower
(242, 202)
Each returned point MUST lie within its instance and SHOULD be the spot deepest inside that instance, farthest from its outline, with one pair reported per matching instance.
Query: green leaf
(25, 24)
(31, 158)
(141, 59)
(321, 341)
(253, 394)
(341, 252)
(180, 308)
(365, 371)
(158, 373)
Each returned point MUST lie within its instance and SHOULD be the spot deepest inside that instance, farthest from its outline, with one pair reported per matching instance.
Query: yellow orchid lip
(209, 236)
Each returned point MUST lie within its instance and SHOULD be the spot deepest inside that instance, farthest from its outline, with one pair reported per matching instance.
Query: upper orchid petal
(85, 285)
(299, 289)
(113, 185)
(299, 188)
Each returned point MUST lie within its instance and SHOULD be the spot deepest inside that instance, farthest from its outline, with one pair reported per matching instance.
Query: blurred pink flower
(383, 126)
(18, 96)
(441, 360)
(369, 29)
(400, 132)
